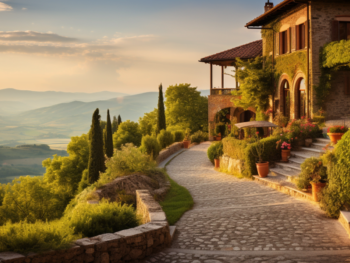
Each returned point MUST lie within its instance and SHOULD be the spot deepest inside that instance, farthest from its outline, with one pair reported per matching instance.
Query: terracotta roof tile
(247, 51)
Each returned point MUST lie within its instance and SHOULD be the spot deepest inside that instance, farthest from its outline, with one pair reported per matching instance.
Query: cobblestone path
(236, 220)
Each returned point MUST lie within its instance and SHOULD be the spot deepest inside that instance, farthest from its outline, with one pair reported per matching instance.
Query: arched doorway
(301, 89)
(246, 116)
(286, 98)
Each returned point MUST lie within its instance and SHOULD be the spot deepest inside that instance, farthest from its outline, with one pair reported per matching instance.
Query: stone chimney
(268, 6)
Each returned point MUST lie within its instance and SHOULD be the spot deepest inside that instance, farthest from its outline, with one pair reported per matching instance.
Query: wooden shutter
(306, 34)
(335, 30)
(297, 37)
(277, 44)
(289, 36)
(293, 39)
(281, 43)
(348, 24)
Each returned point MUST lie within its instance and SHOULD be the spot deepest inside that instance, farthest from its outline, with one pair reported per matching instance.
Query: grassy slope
(177, 201)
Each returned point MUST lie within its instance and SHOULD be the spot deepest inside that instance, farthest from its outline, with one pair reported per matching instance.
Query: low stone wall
(231, 165)
(123, 246)
(344, 219)
(164, 154)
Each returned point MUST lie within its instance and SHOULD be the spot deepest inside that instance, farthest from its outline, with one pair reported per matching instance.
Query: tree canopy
(185, 107)
(128, 132)
(148, 123)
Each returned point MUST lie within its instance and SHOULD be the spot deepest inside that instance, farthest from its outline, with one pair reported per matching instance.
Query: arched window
(286, 99)
(302, 97)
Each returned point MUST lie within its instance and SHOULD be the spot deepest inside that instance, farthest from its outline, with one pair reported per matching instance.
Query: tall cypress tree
(114, 124)
(109, 137)
(96, 158)
(161, 124)
(119, 120)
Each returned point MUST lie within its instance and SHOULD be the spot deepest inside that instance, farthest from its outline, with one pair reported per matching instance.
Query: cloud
(33, 36)
(24, 8)
(5, 7)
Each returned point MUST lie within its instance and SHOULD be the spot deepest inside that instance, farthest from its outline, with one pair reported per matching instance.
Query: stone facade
(123, 246)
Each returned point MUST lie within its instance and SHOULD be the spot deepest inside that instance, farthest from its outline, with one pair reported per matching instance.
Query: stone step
(321, 146)
(323, 140)
(296, 160)
(289, 167)
(312, 150)
(304, 154)
(290, 175)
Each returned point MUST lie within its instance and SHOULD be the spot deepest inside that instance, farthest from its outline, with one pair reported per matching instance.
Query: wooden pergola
(228, 58)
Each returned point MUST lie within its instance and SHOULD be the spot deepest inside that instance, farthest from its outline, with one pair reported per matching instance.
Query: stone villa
(293, 33)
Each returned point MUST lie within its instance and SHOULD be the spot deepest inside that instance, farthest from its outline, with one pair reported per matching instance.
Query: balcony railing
(221, 91)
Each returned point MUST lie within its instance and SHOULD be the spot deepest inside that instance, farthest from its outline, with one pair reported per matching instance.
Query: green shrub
(319, 119)
(40, 236)
(165, 138)
(270, 154)
(105, 217)
(336, 195)
(128, 132)
(199, 137)
(179, 136)
(234, 148)
(150, 145)
(215, 151)
(337, 129)
(312, 169)
(125, 161)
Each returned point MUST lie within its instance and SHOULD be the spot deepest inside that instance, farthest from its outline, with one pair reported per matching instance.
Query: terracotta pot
(263, 169)
(308, 142)
(186, 144)
(285, 155)
(217, 163)
(335, 137)
(316, 188)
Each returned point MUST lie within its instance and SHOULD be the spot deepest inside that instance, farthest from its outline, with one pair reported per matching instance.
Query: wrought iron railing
(221, 91)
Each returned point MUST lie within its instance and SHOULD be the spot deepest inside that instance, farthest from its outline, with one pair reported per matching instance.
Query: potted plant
(261, 165)
(187, 139)
(336, 132)
(214, 152)
(285, 147)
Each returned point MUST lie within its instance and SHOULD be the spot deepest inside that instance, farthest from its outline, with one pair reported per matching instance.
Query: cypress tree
(109, 137)
(114, 124)
(119, 120)
(161, 124)
(96, 158)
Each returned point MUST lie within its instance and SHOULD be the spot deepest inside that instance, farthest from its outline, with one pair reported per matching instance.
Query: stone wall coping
(122, 246)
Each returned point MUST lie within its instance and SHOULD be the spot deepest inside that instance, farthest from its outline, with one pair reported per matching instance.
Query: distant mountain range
(70, 118)
(13, 101)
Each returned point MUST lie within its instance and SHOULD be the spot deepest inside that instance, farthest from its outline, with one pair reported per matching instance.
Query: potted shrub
(285, 148)
(214, 152)
(336, 132)
(187, 140)
(261, 165)
(313, 172)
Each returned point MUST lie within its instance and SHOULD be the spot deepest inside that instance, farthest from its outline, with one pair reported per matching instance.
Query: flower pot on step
(186, 144)
(335, 137)
(308, 142)
(217, 163)
(285, 155)
(263, 169)
(316, 188)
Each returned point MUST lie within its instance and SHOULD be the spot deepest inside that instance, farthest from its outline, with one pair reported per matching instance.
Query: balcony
(215, 91)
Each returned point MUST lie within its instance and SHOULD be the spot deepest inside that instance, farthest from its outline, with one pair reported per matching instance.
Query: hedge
(242, 150)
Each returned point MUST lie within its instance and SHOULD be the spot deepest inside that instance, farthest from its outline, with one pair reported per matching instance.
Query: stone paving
(238, 220)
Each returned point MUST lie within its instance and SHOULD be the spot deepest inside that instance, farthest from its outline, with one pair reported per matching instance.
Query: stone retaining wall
(123, 246)
(164, 154)
(230, 165)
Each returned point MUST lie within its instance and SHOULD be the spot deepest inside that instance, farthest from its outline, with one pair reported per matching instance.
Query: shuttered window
(340, 30)
(284, 42)
(301, 36)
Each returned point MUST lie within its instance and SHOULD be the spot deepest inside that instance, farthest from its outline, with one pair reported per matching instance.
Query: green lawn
(177, 201)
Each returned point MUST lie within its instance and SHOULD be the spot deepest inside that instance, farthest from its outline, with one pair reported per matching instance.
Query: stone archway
(286, 107)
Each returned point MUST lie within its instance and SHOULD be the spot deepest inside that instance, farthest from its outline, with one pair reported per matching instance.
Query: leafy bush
(312, 170)
(179, 136)
(41, 236)
(199, 137)
(302, 129)
(105, 217)
(128, 132)
(234, 148)
(215, 150)
(125, 161)
(336, 195)
(337, 129)
(270, 154)
(165, 138)
(150, 145)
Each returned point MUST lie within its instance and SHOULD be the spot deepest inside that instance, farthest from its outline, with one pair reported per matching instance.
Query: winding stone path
(236, 220)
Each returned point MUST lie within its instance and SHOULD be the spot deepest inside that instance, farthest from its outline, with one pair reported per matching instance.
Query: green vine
(269, 35)
(334, 56)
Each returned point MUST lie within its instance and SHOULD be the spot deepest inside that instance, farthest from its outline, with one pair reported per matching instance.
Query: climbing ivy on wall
(268, 36)
(290, 64)
(334, 56)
